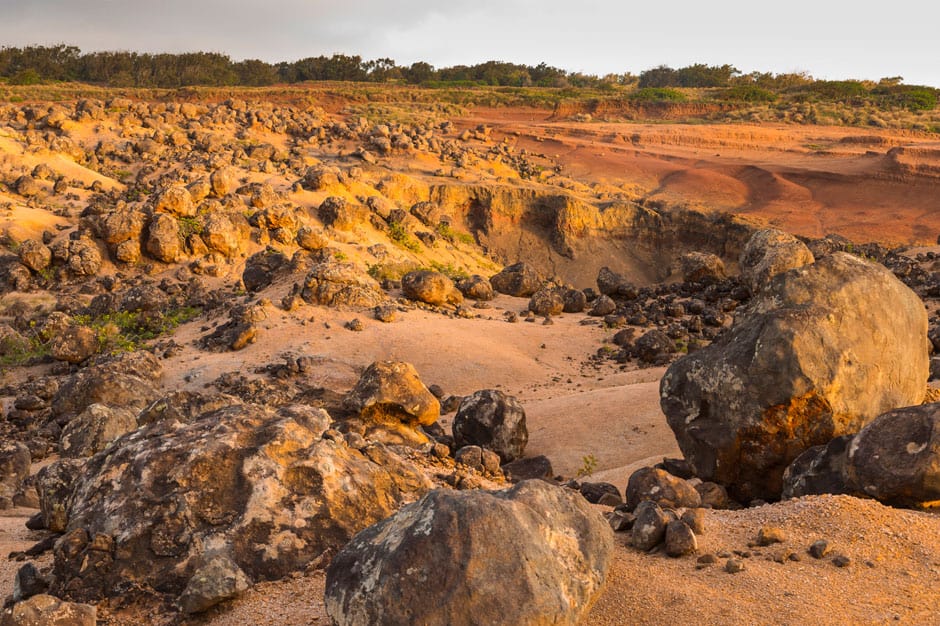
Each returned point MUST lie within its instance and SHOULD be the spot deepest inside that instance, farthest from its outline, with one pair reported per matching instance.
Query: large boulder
(547, 301)
(896, 458)
(519, 279)
(532, 554)
(701, 266)
(74, 344)
(430, 287)
(341, 284)
(770, 252)
(491, 419)
(390, 396)
(476, 287)
(264, 490)
(661, 487)
(224, 181)
(823, 350)
(610, 283)
(34, 255)
(263, 268)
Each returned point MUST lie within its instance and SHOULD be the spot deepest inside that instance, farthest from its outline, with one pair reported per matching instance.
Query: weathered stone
(610, 283)
(820, 469)
(697, 267)
(341, 284)
(221, 235)
(896, 458)
(34, 255)
(224, 181)
(28, 583)
(128, 379)
(527, 468)
(819, 548)
(84, 257)
(175, 200)
(219, 580)
(264, 489)
(430, 287)
(659, 486)
(603, 305)
(184, 406)
(547, 301)
(493, 420)
(695, 519)
(594, 492)
(75, 344)
(520, 280)
(462, 558)
(770, 252)
(46, 610)
(94, 428)
(816, 357)
(14, 468)
(310, 238)
(55, 484)
(263, 268)
(574, 301)
(163, 238)
(476, 287)
(769, 535)
(649, 529)
(390, 396)
(679, 539)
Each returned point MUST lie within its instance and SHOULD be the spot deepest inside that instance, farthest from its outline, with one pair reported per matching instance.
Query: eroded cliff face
(572, 237)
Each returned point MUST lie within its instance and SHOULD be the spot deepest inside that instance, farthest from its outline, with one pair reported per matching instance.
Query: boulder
(390, 396)
(697, 267)
(818, 470)
(654, 346)
(34, 255)
(27, 186)
(476, 287)
(14, 468)
(164, 242)
(649, 527)
(224, 181)
(264, 489)
(520, 280)
(532, 554)
(491, 419)
(84, 257)
(337, 213)
(771, 252)
(55, 484)
(430, 287)
(527, 468)
(603, 305)
(129, 380)
(341, 284)
(46, 610)
(74, 344)
(679, 539)
(815, 357)
(320, 177)
(896, 458)
(610, 283)
(575, 301)
(221, 235)
(123, 225)
(661, 487)
(175, 200)
(311, 238)
(94, 428)
(263, 268)
(219, 580)
(547, 301)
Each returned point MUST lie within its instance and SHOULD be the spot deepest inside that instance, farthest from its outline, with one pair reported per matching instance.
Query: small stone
(680, 540)
(28, 583)
(649, 529)
(733, 566)
(355, 325)
(707, 559)
(769, 535)
(440, 451)
(819, 549)
(840, 560)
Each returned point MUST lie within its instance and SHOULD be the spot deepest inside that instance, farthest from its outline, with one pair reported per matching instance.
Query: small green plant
(658, 94)
(400, 236)
(588, 465)
(447, 269)
(340, 256)
(189, 226)
(454, 236)
(125, 331)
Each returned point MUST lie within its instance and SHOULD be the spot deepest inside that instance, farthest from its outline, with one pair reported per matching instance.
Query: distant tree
(661, 76)
(419, 72)
(255, 73)
(701, 75)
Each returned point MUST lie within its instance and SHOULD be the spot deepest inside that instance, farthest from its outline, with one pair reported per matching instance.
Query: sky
(829, 39)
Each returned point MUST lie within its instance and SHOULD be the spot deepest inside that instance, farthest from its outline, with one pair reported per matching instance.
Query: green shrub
(748, 93)
(658, 94)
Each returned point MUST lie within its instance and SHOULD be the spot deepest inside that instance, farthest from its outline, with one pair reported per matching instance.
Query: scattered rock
(659, 486)
(819, 548)
(680, 540)
(769, 535)
(430, 287)
(45, 610)
(219, 580)
(476, 287)
(539, 467)
(733, 566)
(75, 344)
(695, 519)
(519, 280)
(698, 267)
(390, 396)
(15, 460)
(771, 252)
(94, 428)
(649, 529)
(493, 420)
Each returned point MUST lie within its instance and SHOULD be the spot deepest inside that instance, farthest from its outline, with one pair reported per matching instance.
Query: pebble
(819, 549)
(840, 560)
(769, 535)
(733, 566)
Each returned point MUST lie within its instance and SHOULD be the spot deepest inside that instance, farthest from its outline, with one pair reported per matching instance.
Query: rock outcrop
(265, 490)
(391, 398)
(815, 357)
(532, 554)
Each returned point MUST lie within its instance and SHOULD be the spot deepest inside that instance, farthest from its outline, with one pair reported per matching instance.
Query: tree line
(34, 64)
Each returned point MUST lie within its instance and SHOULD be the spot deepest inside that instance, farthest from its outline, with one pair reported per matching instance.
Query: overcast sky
(827, 38)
